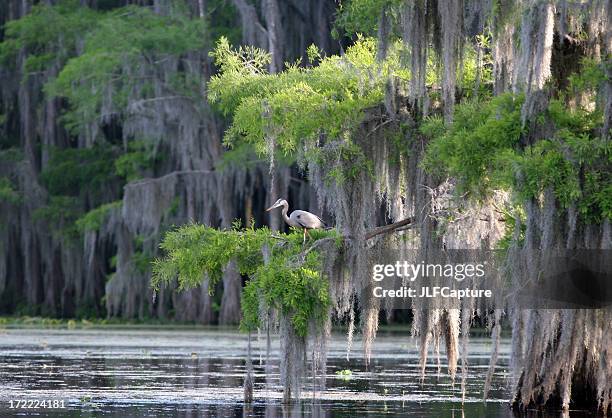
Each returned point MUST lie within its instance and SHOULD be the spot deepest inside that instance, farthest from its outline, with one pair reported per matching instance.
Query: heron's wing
(323, 224)
(306, 219)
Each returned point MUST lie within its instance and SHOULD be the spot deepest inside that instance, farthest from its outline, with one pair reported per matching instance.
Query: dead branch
(166, 177)
(385, 229)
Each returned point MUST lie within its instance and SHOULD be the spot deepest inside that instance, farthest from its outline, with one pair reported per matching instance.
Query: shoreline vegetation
(39, 322)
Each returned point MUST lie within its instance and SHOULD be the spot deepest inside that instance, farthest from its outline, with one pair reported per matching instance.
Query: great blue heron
(299, 218)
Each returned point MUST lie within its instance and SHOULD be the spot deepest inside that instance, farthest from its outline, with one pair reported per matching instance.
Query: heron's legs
(306, 234)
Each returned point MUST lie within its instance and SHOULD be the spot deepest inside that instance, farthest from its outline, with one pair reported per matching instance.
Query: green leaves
(8, 192)
(482, 150)
(48, 33)
(140, 157)
(299, 292)
(474, 147)
(362, 16)
(194, 250)
(121, 49)
(73, 171)
(289, 280)
(95, 218)
(298, 105)
(60, 214)
(591, 76)
(244, 60)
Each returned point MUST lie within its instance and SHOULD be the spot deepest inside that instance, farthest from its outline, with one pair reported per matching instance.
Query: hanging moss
(114, 68)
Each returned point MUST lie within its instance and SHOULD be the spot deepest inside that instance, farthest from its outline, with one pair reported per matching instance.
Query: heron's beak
(270, 208)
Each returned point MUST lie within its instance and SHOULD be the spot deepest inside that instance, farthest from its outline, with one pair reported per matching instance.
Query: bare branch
(142, 182)
(385, 229)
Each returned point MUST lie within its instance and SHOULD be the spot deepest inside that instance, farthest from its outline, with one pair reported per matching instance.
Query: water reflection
(199, 373)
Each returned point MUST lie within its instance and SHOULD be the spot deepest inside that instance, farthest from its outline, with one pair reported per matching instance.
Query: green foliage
(299, 104)
(141, 257)
(300, 109)
(591, 76)
(60, 214)
(511, 235)
(99, 58)
(476, 79)
(349, 152)
(117, 48)
(195, 250)
(244, 60)
(345, 374)
(289, 280)
(575, 163)
(74, 171)
(474, 148)
(362, 16)
(11, 155)
(299, 292)
(48, 33)
(482, 150)
(95, 218)
(8, 193)
(141, 261)
(140, 157)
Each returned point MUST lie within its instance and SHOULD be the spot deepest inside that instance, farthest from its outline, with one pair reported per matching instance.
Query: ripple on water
(188, 373)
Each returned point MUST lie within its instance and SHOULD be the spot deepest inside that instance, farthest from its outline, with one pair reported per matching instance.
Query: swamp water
(184, 373)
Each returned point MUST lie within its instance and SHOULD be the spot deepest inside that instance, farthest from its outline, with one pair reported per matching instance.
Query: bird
(299, 218)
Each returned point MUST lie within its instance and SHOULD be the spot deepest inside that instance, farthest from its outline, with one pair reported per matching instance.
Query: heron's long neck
(285, 210)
